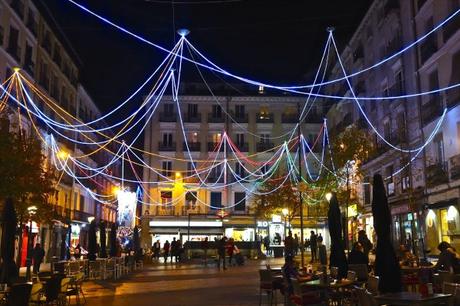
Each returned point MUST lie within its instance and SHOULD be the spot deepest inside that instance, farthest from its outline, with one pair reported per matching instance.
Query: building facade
(256, 125)
(422, 193)
(32, 41)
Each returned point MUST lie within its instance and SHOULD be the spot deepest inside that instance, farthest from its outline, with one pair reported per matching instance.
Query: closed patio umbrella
(136, 242)
(386, 263)
(113, 240)
(9, 269)
(337, 256)
(103, 238)
(92, 244)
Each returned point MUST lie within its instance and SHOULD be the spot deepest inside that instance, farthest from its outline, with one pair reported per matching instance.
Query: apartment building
(31, 40)
(255, 123)
(420, 190)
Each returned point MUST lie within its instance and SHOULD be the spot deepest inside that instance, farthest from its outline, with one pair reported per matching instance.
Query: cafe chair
(454, 289)
(37, 294)
(75, 288)
(301, 297)
(19, 295)
(373, 285)
(95, 271)
(361, 270)
(267, 285)
(364, 297)
(62, 297)
(334, 272)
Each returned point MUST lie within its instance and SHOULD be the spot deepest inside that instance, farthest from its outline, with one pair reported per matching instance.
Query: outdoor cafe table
(326, 287)
(412, 298)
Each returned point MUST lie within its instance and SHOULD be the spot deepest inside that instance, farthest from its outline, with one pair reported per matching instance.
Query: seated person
(357, 256)
(290, 271)
(448, 258)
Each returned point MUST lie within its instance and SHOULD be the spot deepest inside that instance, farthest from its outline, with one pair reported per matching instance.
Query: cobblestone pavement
(177, 285)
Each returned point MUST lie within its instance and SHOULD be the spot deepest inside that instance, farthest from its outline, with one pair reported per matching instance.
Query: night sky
(274, 41)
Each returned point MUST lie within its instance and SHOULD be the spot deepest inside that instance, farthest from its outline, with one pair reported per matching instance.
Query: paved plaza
(185, 284)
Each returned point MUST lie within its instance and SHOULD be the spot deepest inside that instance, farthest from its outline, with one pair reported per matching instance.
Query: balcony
(428, 47)
(453, 97)
(168, 117)
(264, 118)
(166, 147)
(193, 146)
(432, 109)
(264, 146)
(213, 179)
(436, 174)
(192, 118)
(289, 118)
(213, 118)
(81, 216)
(241, 118)
(243, 147)
(451, 28)
(455, 167)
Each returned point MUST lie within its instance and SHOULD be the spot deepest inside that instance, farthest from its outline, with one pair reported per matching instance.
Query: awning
(442, 204)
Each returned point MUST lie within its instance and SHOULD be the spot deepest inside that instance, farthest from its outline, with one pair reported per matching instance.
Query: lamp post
(285, 212)
(32, 210)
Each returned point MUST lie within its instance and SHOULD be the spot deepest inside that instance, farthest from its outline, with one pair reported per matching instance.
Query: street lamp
(285, 212)
(62, 154)
(32, 210)
(90, 219)
(328, 196)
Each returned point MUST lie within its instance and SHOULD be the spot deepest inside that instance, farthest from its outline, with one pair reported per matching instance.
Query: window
(216, 200)
(28, 59)
(190, 199)
(193, 110)
(239, 111)
(387, 129)
(166, 168)
(239, 170)
(439, 149)
(167, 139)
(264, 114)
(390, 182)
(216, 137)
(191, 168)
(399, 81)
(367, 191)
(168, 109)
(240, 201)
(166, 198)
(239, 139)
(216, 172)
(82, 203)
(216, 111)
(405, 182)
(433, 81)
(192, 137)
(13, 47)
(264, 138)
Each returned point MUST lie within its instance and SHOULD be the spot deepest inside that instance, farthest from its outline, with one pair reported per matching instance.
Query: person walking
(296, 244)
(322, 254)
(230, 246)
(267, 245)
(178, 250)
(205, 247)
(173, 250)
(313, 246)
(365, 242)
(221, 252)
(289, 245)
(166, 248)
(156, 250)
(37, 254)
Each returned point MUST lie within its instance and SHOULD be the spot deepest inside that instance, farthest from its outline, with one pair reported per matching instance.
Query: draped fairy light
(217, 171)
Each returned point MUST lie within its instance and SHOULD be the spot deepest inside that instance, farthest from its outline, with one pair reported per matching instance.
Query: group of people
(173, 249)
(227, 248)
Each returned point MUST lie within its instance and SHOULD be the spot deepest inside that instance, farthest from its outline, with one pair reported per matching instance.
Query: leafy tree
(24, 176)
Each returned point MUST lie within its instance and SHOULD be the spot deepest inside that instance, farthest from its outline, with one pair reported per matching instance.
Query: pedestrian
(357, 256)
(230, 247)
(296, 244)
(289, 245)
(365, 242)
(156, 250)
(166, 248)
(320, 238)
(77, 252)
(221, 252)
(313, 246)
(178, 250)
(322, 254)
(204, 247)
(173, 250)
(267, 245)
(38, 254)
(448, 259)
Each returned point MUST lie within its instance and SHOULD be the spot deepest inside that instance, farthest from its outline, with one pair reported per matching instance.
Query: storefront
(405, 227)
(442, 222)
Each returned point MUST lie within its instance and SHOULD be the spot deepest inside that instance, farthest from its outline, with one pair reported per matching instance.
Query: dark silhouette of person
(166, 248)
(221, 252)
(38, 254)
(313, 246)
